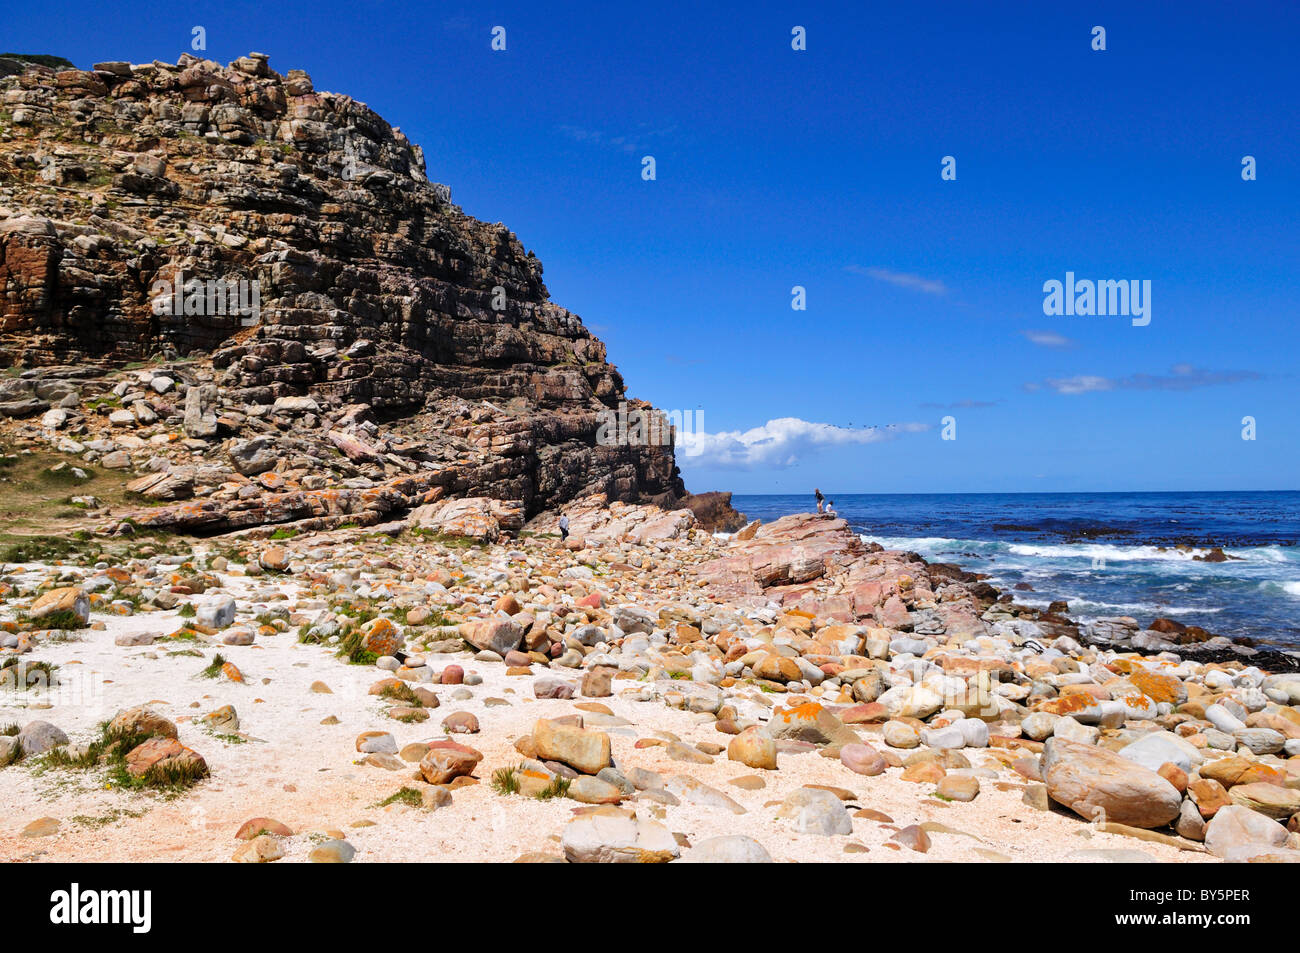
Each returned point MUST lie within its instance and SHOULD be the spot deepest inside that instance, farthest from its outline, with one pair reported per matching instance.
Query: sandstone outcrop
(329, 338)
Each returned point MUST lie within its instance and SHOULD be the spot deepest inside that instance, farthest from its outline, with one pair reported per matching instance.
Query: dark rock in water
(1216, 555)
(714, 512)
(1124, 633)
(954, 572)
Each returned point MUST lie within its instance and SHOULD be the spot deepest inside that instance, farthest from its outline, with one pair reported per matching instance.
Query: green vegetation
(402, 692)
(103, 820)
(39, 522)
(505, 780)
(65, 620)
(351, 649)
(559, 787)
(214, 667)
(20, 675)
(40, 59)
(444, 539)
(110, 749)
(30, 549)
(408, 796)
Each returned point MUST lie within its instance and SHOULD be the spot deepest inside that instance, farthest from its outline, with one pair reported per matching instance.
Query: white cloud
(902, 279)
(1181, 377)
(1049, 339)
(779, 443)
(1080, 384)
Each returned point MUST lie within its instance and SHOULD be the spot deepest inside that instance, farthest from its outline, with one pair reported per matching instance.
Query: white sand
(304, 774)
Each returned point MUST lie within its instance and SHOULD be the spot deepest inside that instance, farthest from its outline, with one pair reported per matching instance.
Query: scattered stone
(332, 852)
(1094, 783)
(816, 811)
(617, 839)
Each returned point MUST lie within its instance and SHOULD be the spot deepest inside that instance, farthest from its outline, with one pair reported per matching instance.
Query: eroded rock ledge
(402, 351)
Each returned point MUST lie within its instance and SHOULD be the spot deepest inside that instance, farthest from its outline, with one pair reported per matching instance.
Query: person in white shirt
(830, 507)
(564, 527)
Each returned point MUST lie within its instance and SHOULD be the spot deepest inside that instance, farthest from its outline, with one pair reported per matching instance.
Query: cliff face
(384, 333)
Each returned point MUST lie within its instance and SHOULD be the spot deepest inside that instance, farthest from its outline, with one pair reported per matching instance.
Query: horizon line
(829, 494)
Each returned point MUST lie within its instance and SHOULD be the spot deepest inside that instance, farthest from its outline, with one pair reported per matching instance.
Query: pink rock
(453, 675)
(871, 713)
(863, 759)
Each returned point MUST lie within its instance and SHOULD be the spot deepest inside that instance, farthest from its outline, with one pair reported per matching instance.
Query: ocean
(1106, 554)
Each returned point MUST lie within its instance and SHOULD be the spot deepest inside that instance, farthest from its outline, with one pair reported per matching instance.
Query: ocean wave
(1103, 551)
(1108, 552)
(1270, 554)
(916, 543)
(1287, 588)
(1082, 605)
(1098, 552)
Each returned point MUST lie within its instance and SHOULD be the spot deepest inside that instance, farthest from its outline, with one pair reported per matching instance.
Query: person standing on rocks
(821, 500)
(564, 527)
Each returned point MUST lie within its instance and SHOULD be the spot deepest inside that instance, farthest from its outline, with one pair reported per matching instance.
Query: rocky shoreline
(646, 692)
(288, 585)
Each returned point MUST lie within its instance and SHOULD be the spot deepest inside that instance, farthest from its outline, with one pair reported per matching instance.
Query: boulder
(446, 760)
(816, 811)
(142, 721)
(582, 750)
(1094, 782)
(614, 838)
(38, 737)
(496, 634)
(754, 748)
(1235, 826)
(727, 849)
(68, 599)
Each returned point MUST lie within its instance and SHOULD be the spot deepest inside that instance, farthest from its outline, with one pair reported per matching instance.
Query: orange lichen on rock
(805, 712)
(1157, 687)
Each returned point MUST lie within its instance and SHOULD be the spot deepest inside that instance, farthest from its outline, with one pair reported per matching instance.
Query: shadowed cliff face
(373, 308)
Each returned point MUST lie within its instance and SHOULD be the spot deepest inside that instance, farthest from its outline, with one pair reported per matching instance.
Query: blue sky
(821, 168)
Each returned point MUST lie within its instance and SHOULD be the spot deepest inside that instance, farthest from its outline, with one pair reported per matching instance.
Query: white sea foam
(1091, 607)
(1108, 552)
(914, 543)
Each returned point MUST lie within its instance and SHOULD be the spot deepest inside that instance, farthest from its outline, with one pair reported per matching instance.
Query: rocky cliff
(367, 347)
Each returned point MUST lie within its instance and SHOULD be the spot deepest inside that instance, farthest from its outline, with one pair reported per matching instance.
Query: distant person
(821, 500)
(564, 527)
(830, 508)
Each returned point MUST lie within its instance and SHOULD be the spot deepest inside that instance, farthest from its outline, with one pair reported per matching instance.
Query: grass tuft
(559, 787)
(402, 692)
(408, 796)
(20, 675)
(505, 780)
